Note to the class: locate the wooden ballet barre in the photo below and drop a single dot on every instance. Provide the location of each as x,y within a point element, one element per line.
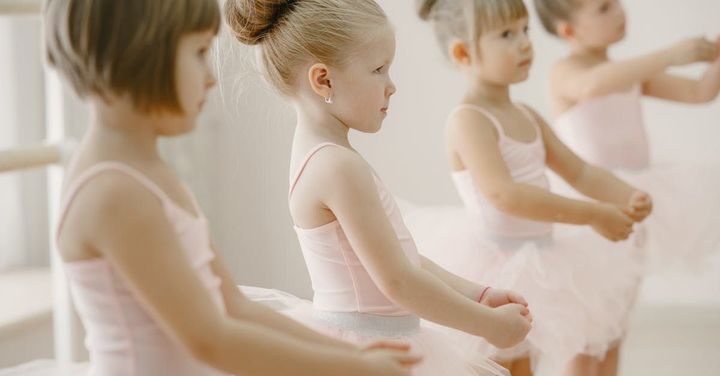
<point>19,7</point>
<point>34,156</point>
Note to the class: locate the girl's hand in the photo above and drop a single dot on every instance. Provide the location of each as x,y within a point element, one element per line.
<point>386,345</point>
<point>694,50</point>
<point>494,298</point>
<point>639,207</point>
<point>612,223</point>
<point>511,324</point>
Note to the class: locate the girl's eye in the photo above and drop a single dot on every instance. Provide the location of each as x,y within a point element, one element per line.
<point>605,8</point>
<point>526,29</point>
<point>202,52</point>
<point>506,34</point>
<point>379,70</point>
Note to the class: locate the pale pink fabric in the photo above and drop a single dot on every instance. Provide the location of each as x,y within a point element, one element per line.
<point>349,305</point>
<point>122,337</point>
<point>340,281</point>
<point>526,163</point>
<point>579,286</point>
<point>608,131</point>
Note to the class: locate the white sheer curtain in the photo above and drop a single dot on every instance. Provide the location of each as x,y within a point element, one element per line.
<point>23,202</point>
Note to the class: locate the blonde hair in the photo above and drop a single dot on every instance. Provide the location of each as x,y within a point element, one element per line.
<point>553,11</point>
<point>291,33</point>
<point>106,47</point>
<point>467,20</point>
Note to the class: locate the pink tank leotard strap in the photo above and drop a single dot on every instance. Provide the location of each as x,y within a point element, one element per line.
<point>305,162</point>
<point>533,119</point>
<point>98,169</point>
<point>484,112</point>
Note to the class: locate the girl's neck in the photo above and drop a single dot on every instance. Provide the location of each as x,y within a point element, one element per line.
<point>122,132</point>
<point>489,93</point>
<point>321,126</point>
<point>595,53</point>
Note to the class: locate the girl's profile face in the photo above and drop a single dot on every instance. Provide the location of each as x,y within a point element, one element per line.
<point>362,89</point>
<point>193,80</point>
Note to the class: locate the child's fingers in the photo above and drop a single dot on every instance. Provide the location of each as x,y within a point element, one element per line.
<point>388,345</point>
<point>708,51</point>
<point>407,360</point>
<point>529,317</point>
<point>516,298</point>
<point>524,311</point>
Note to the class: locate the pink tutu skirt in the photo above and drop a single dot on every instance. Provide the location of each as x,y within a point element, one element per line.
<point>579,286</point>
<point>441,356</point>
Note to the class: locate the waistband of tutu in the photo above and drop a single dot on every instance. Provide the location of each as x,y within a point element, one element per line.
<point>512,243</point>
<point>370,324</point>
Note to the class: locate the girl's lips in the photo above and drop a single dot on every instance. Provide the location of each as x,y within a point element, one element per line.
<point>525,63</point>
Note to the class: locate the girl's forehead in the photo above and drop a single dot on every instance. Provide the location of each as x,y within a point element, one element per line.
<point>518,22</point>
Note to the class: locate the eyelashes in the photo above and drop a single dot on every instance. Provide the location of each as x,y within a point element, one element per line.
<point>508,33</point>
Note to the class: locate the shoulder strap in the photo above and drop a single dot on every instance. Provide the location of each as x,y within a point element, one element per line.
<point>304,163</point>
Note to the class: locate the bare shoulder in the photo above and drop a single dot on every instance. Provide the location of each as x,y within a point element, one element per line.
<point>339,166</point>
<point>109,205</point>
<point>470,122</point>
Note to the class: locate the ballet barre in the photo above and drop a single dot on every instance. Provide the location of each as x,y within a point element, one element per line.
<point>19,7</point>
<point>32,156</point>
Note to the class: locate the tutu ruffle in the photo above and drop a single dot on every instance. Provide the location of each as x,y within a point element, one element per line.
<point>579,286</point>
<point>683,231</point>
<point>441,356</point>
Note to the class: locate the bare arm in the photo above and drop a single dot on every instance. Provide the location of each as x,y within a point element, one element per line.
<point>680,89</point>
<point>348,189</point>
<point>465,287</point>
<point>475,140</point>
<point>592,181</point>
<point>576,81</point>
<point>178,300</point>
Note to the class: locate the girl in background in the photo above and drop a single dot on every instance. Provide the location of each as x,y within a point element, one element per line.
<point>514,233</point>
<point>597,102</point>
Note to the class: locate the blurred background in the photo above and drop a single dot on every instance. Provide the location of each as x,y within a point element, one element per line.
<point>237,164</point>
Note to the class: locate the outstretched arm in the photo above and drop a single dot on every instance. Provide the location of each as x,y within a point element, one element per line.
<point>575,81</point>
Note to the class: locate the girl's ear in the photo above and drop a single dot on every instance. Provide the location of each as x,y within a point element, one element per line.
<point>460,53</point>
<point>565,30</point>
<point>320,80</point>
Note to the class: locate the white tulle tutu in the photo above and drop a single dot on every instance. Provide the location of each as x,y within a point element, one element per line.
<point>441,355</point>
<point>683,231</point>
<point>579,286</point>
